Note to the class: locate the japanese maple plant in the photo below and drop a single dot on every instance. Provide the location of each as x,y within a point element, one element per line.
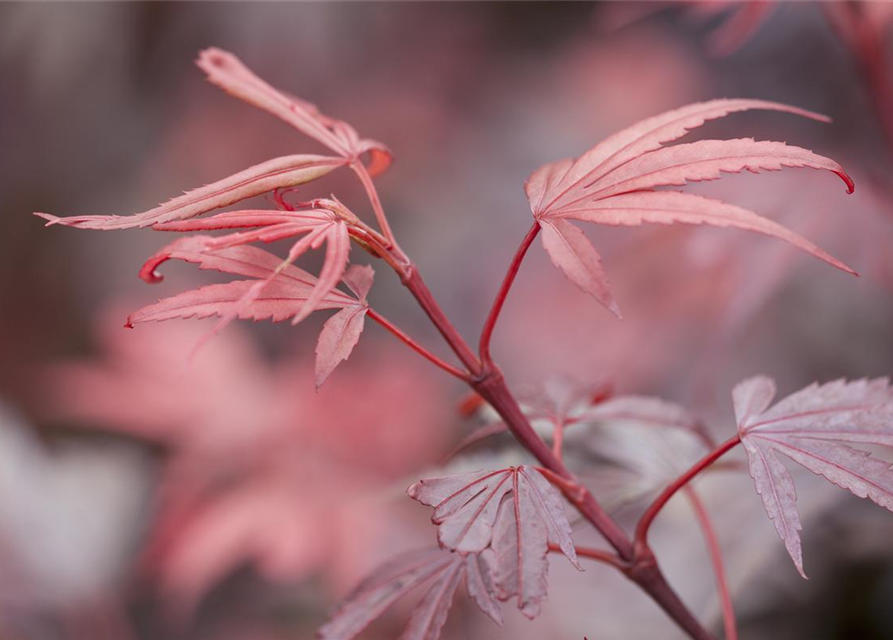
<point>496,527</point>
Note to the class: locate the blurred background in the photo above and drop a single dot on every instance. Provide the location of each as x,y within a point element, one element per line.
<point>146,497</point>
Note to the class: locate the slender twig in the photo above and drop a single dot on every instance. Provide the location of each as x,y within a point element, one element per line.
<point>415,346</point>
<point>599,555</point>
<point>722,582</point>
<point>651,512</point>
<point>412,280</point>
<point>499,301</point>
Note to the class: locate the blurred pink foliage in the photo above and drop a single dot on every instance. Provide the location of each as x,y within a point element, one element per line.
<point>259,468</point>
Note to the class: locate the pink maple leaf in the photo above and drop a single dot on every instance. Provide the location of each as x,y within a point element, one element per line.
<point>321,221</point>
<point>264,516</point>
<point>228,72</point>
<point>510,516</point>
<point>324,221</point>
<point>255,459</point>
<point>277,291</point>
<point>614,184</point>
<point>809,427</point>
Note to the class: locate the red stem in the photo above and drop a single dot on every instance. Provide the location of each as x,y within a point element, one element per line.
<point>487,331</point>
<point>722,583</point>
<point>647,518</point>
<point>493,389</point>
<point>415,346</point>
<point>412,280</point>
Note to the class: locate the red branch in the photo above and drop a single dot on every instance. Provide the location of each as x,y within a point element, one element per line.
<point>722,582</point>
<point>415,346</point>
<point>487,331</point>
<point>651,512</point>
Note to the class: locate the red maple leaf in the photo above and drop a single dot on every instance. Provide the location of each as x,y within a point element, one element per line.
<point>614,184</point>
<point>509,516</point>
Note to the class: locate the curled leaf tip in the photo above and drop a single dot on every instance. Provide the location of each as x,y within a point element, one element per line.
<point>151,275</point>
<point>149,271</point>
<point>850,185</point>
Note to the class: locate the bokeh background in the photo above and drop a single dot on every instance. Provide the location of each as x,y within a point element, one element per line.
<point>144,497</point>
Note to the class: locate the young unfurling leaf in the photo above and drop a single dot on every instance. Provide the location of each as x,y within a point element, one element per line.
<point>288,171</point>
<point>402,574</point>
<point>341,332</point>
<point>810,427</point>
<point>511,515</point>
<point>229,73</point>
<point>614,184</point>
<point>274,292</point>
<point>318,223</point>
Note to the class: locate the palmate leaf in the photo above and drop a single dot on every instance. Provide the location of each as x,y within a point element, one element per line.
<point>326,222</point>
<point>319,224</point>
<point>388,583</point>
<point>276,291</point>
<point>341,332</point>
<point>809,427</point>
<point>229,73</point>
<point>613,184</point>
<point>510,516</point>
